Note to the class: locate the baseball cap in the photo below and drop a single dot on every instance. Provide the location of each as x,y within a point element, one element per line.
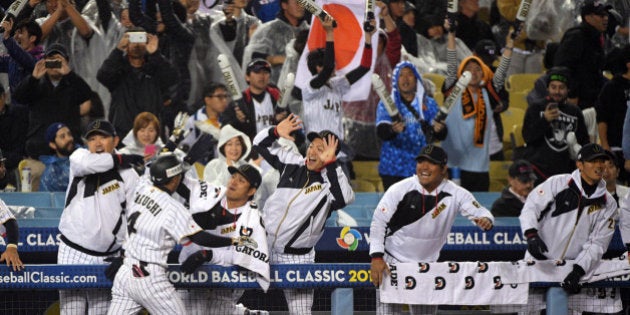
<point>249,172</point>
<point>592,151</point>
<point>323,135</point>
<point>559,74</point>
<point>56,48</point>
<point>432,153</point>
<point>257,65</point>
<point>100,126</point>
<point>51,132</point>
<point>594,7</point>
<point>522,170</point>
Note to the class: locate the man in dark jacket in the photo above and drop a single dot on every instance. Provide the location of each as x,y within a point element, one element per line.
<point>521,179</point>
<point>53,93</point>
<point>137,78</point>
<point>258,108</point>
<point>582,51</point>
<point>546,125</point>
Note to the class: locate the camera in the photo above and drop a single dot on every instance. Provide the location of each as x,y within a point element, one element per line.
<point>53,64</point>
<point>551,106</point>
<point>138,37</point>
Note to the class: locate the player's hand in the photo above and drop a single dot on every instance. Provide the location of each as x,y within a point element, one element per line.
<point>114,265</point>
<point>244,241</point>
<point>123,161</point>
<point>571,283</point>
<point>330,147</point>
<point>483,223</point>
<point>195,261</point>
<point>377,267</point>
<point>398,126</point>
<point>288,125</point>
<point>535,246</point>
<point>12,258</point>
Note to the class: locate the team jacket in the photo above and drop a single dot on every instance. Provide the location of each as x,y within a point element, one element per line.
<point>295,213</point>
<point>94,216</point>
<point>558,206</point>
<point>412,224</point>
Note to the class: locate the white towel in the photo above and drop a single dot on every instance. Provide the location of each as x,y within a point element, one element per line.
<point>254,259</point>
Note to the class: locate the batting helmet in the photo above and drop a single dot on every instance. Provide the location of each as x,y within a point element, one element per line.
<point>165,168</point>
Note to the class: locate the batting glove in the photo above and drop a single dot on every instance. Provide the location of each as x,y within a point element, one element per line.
<point>571,283</point>
<point>195,260</point>
<point>244,241</point>
<point>114,264</point>
<point>535,244</point>
<point>122,161</point>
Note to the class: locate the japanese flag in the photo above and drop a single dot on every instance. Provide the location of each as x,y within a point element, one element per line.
<point>349,43</point>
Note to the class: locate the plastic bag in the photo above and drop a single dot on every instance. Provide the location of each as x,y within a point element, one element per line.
<point>549,19</point>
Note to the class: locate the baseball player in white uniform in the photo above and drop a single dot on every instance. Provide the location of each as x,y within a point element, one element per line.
<point>92,223</point>
<point>9,228</point>
<point>310,188</point>
<point>156,222</point>
<point>412,221</point>
<point>217,209</point>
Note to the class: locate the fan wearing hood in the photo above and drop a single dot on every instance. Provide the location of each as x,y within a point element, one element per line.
<point>234,147</point>
<point>403,139</point>
<point>470,121</point>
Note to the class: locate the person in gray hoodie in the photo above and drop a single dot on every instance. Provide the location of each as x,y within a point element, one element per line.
<point>233,150</point>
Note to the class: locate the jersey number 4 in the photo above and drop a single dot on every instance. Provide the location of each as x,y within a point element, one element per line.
<point>132,222</point>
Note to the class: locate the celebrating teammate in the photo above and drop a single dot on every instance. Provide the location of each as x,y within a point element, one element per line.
<point>413,219</point>
<point>571,216</point>
<point>10,255</point>
<point>91,225</point>
<point>223,211</point>
<point>308,191</point>
<point>156,223</point>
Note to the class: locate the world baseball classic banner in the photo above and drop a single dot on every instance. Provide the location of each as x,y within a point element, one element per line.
<point>450,283</point>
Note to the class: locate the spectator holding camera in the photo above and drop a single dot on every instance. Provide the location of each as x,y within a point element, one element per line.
<point>23,48</point>
<point>546,125</point>
<point>136,76</point>
<point>53,93</point>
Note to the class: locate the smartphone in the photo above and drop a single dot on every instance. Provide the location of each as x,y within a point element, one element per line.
<point>552,106</point>
<point>149,149</point>
<point>53,64</point>
<point>137,37</point>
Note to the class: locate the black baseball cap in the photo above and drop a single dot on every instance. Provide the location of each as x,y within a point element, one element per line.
<point>102,127</point>
<point>433,154</point>
<point>56,49</point>
<point>594,7</point>
<point>522,170</point>
<point>249,172</point>
<point>592,151</point>
<point>324,135</point>
<point>559,74</point>
<point>258,65</point>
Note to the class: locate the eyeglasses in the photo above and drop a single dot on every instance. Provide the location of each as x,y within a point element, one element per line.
<point>221,96</point>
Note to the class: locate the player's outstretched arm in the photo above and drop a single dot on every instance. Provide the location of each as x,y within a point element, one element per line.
<point>10,255</point>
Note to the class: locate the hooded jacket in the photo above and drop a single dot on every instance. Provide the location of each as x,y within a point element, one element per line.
<point>398,152</point>
<point>133,146</point>
<point>216,171</point>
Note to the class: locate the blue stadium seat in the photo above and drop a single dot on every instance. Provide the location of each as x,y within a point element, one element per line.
<point>367,199</point>
<point>46,212</point>
<point>486,199</point>
<point>358,211</point>
<point>32,199</point>
<point>59,199</point>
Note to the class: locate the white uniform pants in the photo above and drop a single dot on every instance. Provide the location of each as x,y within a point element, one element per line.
<point>299,301</point>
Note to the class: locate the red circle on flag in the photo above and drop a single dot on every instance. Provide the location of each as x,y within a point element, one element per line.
<point>348,34</point>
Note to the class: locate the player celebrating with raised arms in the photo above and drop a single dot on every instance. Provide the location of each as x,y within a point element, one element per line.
<point>156,223</point>
<point>412,221</point>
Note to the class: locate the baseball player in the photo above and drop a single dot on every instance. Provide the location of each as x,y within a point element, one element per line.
<point>156,223</point>
<point>92,223</point>
<point>412,221</point>
<point>571,216</point>
<point>10,228</point>
<point>309,189</point>
<point>217,209</point>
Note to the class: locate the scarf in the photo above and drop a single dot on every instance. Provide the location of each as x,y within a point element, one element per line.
<point>470,108</point>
